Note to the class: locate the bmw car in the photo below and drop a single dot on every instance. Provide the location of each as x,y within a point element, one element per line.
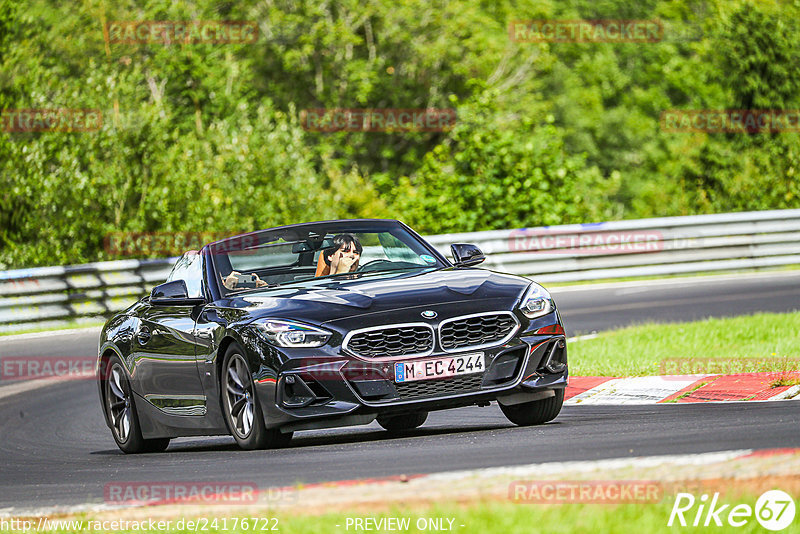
<point>327,324</point>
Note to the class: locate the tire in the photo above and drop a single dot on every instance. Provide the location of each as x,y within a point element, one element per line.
<point>120,409</point>
<point>240,405</point>
<point>535,412</point>
<point>398,423</point>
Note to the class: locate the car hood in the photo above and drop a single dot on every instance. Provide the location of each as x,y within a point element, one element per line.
<point>326,300</point>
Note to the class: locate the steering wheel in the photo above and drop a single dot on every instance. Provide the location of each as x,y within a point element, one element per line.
<point>380,261</point>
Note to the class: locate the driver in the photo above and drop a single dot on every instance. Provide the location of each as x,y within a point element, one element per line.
<point>342,257</point>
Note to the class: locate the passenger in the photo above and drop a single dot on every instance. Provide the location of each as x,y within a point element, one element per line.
<point>342,257</point>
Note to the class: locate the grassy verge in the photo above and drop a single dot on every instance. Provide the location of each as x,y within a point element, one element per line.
<point>477,518</point>
<point>503,518</point>
<point>754,343</point>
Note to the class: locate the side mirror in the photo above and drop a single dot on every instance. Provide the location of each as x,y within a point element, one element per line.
<point>173,294</point>
<point>466,255</point>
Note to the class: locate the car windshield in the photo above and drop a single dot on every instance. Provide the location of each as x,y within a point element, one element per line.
<point>344,249</point>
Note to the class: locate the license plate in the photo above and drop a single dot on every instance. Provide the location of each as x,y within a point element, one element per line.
<point>462,364</point>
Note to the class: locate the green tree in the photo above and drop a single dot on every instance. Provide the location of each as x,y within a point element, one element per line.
<point>498,172</point>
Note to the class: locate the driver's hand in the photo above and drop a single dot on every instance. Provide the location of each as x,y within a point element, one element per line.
<point>347,260</point>
<point>260,282</point>
<point>230,281</point>
<point>335,257</point>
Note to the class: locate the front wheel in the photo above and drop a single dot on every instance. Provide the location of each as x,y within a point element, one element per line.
<point>121,412</point>
<point>535,412</point>
<point>241,407</point>
<point>397,423</point>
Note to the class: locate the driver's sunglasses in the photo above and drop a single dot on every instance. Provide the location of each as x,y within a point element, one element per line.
<point>351,249</point>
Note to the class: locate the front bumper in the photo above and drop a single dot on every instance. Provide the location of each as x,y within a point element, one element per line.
<point>320,390</point>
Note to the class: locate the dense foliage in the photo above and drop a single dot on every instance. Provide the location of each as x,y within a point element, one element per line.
<point>208,137</point>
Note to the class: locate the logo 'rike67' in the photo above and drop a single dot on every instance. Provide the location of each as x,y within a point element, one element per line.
<point>774,510</point>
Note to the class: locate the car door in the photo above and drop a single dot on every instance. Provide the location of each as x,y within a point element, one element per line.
<point>165,345</point>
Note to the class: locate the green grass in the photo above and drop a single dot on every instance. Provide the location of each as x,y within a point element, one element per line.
<point>754,343</point>
<point>786,381</point>
<point>496,518</point>
<point>505,518</point>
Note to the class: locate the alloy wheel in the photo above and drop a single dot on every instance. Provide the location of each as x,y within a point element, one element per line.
<point>239,396</point>
<point>118,401</point>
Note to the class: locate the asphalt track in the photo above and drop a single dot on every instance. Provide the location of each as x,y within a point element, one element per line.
<point>56,451</point>
<point>590,308</point>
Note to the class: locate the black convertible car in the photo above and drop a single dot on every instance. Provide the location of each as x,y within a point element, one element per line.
<point>321,325</point>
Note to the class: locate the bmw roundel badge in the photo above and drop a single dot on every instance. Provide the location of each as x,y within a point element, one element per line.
<point>429,314</point>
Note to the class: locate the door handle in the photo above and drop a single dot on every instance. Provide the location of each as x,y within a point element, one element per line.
<point>214,317</point>
<point>143,335</point>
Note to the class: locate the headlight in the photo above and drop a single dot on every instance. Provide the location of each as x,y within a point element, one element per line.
<point>291,334</point>
<point>536,302</point>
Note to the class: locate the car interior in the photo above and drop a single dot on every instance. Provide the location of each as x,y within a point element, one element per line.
<point>292,258</point>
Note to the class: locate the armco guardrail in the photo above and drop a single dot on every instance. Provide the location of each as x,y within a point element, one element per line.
<point>643,247</point>
<point>50,295</point>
